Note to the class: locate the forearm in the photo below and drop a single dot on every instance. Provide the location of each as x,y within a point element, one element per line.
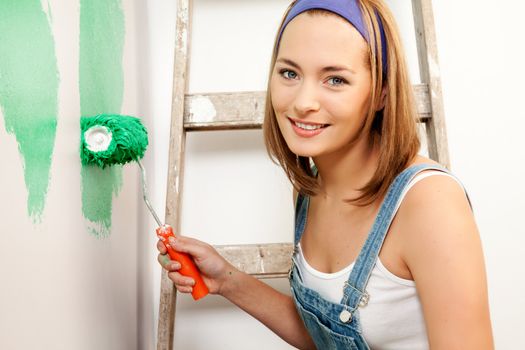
<point>274,309</point>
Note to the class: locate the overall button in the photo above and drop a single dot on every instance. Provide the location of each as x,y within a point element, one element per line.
<point>364,300</point>
<point>345,316</point>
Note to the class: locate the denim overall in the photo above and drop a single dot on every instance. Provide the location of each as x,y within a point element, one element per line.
<point>337,326</point>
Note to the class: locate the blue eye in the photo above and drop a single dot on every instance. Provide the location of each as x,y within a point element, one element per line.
<point>288,74</point>
<point>337,81</point>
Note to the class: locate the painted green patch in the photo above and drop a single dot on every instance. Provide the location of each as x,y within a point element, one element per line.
<point>165,259</point>
<point>101,84</point>
<point>98,187</point>
<point>29,92</point>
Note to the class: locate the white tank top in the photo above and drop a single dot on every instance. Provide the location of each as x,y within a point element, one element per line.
<point>393,318</point>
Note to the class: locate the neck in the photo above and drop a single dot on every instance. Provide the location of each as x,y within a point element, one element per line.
<point>343,173</point>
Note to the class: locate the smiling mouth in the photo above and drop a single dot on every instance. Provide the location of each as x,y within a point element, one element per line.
<point>308,126</point>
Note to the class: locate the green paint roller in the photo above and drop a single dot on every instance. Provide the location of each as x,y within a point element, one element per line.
<point>109,139</point>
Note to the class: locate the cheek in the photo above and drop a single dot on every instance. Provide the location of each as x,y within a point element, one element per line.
<point>276,97</point>
<point>281,96</point>
<point>350,105</point>
<point>341,107</point>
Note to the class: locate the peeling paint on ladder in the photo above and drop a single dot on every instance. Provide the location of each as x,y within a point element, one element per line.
<point>202,108</point>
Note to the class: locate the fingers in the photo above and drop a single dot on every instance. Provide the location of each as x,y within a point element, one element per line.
<point>182,283</point>
<point>198,250</point>
<point>167,263</point>
<point>184,245</point>
<point>194,247</point>
<point>161,247</point>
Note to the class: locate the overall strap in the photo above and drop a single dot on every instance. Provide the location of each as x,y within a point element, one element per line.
<point>301,211</point>
<point>354,291</point>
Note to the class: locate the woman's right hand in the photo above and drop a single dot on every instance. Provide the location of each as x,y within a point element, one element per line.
<point>213,267</point>
<point>274,309</point>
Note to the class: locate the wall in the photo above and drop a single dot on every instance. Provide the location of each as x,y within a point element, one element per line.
<point>66,284</point>
<point>64,287</point>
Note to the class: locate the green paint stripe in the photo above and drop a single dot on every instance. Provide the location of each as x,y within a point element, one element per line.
<point>29,92</point>
<point>101,84</point>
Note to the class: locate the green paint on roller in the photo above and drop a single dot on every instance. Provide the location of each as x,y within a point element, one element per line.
<point>29,92</point>
<point>101,85</point>
<point>107,140</point>
<point>112,139</point>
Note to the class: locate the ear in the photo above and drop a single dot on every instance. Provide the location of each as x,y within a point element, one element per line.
<point>382,99</point>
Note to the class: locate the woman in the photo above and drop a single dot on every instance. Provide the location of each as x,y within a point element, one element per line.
<point>387,255</point>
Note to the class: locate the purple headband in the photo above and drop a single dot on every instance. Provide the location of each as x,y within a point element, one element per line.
<point>348,9</point>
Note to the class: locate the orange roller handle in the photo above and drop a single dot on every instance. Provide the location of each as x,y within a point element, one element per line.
<point>188,268</point>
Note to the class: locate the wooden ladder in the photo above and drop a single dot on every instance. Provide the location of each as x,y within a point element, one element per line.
<point>245,110</point>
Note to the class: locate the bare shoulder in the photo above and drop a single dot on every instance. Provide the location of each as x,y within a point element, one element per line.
<point>435,211</point>
<point>443,251</point>
<point>435,198</point>
<point>436,195</point>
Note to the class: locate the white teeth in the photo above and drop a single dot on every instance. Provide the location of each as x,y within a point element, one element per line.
<point>307,126</point>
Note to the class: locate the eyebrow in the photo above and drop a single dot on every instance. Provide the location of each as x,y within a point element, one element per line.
<point>324,69</point>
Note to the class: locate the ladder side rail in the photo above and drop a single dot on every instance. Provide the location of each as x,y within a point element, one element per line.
<point>430,75</point>
<point>167,302</point>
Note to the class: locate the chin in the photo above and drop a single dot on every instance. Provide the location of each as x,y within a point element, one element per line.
<point>305,151</point>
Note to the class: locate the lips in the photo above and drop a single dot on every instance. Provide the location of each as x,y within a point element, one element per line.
<point>307,129</point>
<point>307,124</point>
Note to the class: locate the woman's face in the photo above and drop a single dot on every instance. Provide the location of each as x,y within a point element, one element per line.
<point>320,85</point>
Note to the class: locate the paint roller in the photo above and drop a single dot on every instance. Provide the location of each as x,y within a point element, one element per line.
<point>109,139</point>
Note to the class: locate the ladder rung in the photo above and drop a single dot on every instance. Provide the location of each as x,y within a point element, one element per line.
<point>260,260</point>
<point>245,110</point>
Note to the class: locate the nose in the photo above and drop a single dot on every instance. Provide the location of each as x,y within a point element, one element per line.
<point>307,99</point>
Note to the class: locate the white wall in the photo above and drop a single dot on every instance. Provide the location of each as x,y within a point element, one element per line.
<point>481,64</point>
<point>63,289</point>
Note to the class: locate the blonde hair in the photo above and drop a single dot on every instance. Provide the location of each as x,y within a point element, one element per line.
<point>393,128</point>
